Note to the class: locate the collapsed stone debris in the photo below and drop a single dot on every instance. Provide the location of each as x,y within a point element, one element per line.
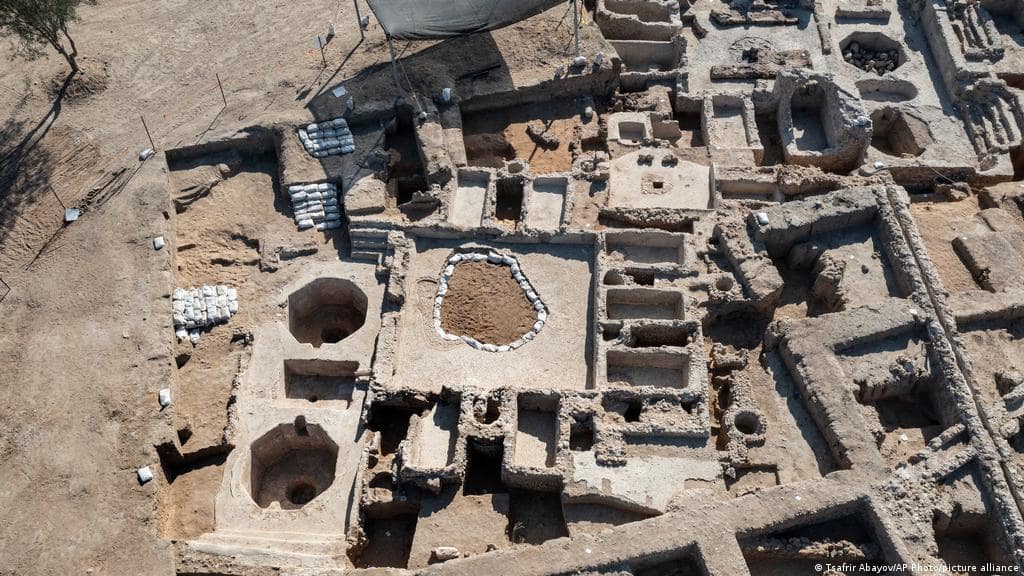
<point>875,61</point>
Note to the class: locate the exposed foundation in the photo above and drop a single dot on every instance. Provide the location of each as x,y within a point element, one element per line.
<point>713,303</point>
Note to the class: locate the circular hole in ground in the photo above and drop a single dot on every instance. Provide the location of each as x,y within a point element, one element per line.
<point>486,303</point>
<point>301,492</point>
<point>747,422</point>
<point>291,465</point>
<point>613,278</point>
<point>872,52</point>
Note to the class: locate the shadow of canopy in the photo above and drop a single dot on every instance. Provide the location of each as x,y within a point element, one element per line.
<point>471,65</point>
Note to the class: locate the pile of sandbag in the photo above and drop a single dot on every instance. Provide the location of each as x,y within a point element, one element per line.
<point>197,308</point>
<point>327,138</point>
<point>315,206</point>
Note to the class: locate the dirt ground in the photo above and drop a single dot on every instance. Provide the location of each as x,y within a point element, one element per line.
<point>85,334</point>
<point>940,221</point>
<point>486,303</point>
<point>492,137</point>
<point>188,501</point>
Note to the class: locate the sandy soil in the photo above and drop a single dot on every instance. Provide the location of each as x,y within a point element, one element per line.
<point>486,303</point>
<point>940,221</point>
<point>187,504</point>
<point>494,136</point>
<point>84,352</point>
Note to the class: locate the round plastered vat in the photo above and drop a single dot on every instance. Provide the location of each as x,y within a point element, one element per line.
<point>523,289</point>
<point>326,311</point>
<point>291,465</point>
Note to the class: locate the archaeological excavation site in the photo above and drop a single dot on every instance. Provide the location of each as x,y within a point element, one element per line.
<point>620,287</point>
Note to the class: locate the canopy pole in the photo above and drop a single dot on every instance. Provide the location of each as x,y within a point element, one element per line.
<point>359,21</point>
<point>394,66</point>
<point>576,25</point>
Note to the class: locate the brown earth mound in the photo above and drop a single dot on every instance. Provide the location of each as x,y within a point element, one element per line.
<point>486,303</point>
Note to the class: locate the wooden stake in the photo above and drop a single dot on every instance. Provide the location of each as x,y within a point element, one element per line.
<point>58,198</point>
<point>221,86</point>
<point>148,135</point>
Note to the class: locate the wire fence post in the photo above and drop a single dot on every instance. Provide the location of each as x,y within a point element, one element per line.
<point>221,86</point>
<point>7,289</point>
<point>148,135</point>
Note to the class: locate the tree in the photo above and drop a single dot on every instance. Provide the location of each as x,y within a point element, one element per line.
<point>41,22</point>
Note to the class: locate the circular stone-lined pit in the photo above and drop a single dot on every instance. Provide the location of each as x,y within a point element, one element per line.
<point>485,300</point>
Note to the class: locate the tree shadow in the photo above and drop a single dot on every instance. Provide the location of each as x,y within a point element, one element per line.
<point>25,166</point>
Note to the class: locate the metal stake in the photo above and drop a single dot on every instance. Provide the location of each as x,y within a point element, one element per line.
<point>394,67</point>
<point>320,43</point>
<point>576,24</point>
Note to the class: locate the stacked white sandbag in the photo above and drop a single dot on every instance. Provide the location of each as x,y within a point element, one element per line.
<point>315,206</point>
<point>328,138</point>
<point>197,308</point>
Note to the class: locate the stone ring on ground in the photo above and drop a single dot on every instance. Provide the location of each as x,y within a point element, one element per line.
<point>489,303</point>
